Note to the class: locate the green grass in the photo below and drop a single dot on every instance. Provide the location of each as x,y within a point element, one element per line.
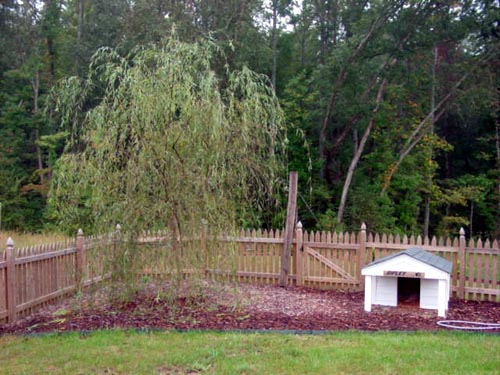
<point>129,352</point>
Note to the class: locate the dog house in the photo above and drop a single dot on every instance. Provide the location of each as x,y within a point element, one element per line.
<point>413,276</point>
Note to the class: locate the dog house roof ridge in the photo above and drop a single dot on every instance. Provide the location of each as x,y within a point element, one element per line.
<point>421,255</point>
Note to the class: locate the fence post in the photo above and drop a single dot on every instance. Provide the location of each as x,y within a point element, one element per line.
<point>361,254</point>
<point>80,258</point>
<point>299,255</point>
<point>11,281</point>
<point>203,245</point>
<point>291,217</point>
<point>117,236</point>
<point>461,259</point>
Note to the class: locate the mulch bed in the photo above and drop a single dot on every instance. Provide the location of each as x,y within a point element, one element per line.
<point>246,307</point>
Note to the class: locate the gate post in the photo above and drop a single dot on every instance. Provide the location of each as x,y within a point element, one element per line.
<point>11,281</point>
<point>291,217</point>
<point>80,258</point>
<point>203,246</point>
<point>361,254</point>
<point>461,259</point>
<point>299,255</point>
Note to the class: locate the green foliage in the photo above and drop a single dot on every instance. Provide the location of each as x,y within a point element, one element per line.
<point>20,208</point>
<point>171,144</point>
<point>320,53</point>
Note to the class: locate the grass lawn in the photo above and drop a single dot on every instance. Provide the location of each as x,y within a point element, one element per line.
<point>129,352</point>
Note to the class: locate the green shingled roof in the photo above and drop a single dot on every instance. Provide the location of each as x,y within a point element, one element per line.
<point>421,255</point>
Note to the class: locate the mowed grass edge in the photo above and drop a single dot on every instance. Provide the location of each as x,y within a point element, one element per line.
<point>131,352</point>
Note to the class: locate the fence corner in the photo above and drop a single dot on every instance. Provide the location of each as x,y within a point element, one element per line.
<point>80,258</point>
<point>461,259</point>
<point>11,281</point>
<point>299,255</point>
<point>361,254</point>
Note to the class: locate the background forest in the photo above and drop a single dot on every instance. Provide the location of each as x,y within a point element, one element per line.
<point>392,106</point>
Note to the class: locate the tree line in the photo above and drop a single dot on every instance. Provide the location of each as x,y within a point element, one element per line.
<point>391,107</point>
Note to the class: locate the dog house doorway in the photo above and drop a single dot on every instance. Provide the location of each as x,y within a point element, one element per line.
<point>408,291</point>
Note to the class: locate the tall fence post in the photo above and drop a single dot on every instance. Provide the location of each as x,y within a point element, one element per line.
<point>361,254</point>
<point>291,217</point>
<point>11,281</point>
<point>299,255</point>
<point>203,245</point>
<point>80,258</point>
<point>461,259</point>
<point>117,236</point>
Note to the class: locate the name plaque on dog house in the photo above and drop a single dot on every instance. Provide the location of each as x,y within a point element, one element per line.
<point>414,275</point>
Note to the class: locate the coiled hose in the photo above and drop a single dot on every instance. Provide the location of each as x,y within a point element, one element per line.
<point>465,325</point>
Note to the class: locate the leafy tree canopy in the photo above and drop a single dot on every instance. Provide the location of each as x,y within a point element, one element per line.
<point>170,142</point>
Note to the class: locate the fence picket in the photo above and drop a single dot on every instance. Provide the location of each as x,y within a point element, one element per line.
<point>426,240</point>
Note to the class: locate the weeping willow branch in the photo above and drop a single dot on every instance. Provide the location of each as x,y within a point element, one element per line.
<point>167,147</point>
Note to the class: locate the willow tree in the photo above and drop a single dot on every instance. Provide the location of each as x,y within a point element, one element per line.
<point>171,143</point>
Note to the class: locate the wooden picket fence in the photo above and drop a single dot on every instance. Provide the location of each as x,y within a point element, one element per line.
<point>35,276</point>
<point>335,260</point>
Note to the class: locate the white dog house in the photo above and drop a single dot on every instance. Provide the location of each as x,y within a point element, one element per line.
<point>415,272</point>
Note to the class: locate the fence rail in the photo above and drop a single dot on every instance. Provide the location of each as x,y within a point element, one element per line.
<point>35,276</point>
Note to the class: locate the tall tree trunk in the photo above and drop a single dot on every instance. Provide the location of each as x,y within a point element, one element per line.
<point>433,121</point>
<point>36,92</point>
<point>274,42</point>
<point>359,152</point>
<point>50,44</point>
<point>497,116</point>
<point>79,31</point>
<point>341,77</point>
<point>471,216</point>
<point>389,62</point>
<point>79,34</point>
<point>419,132</point>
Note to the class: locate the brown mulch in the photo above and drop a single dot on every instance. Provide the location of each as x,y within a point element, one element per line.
<point>246,307</point>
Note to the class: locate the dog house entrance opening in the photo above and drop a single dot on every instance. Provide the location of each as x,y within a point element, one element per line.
<point>408,291</point>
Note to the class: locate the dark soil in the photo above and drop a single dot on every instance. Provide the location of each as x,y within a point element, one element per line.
<point>247,307</point>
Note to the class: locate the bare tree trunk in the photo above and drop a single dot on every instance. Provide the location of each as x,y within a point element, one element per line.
<point>340,81</point>
<point>79,34</point>
<point>497,113</point>
<point>389,62</point>
<point>357,156</point>
<point>79,31</point>
<point>471,216</point>
<point>274,42</point>
<point>427,216</point>
<point>433,121</point>
<point>420,131</point>
<point>50,49</point>
<point>35,82</point>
